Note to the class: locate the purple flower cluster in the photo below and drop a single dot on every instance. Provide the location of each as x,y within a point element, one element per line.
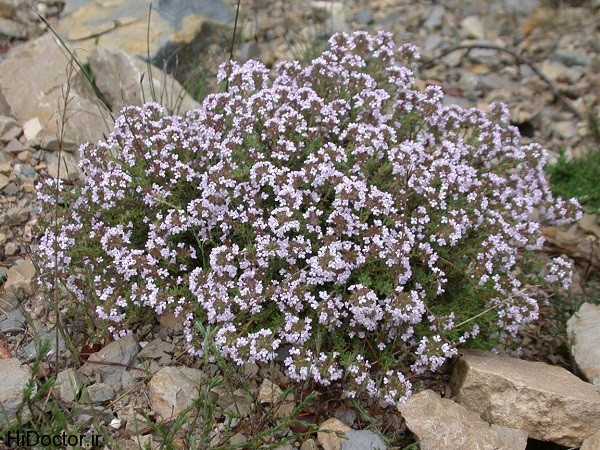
<point>331,213</point>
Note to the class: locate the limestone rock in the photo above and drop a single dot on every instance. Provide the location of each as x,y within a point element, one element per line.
<point>442,423</point>
<point>123,79</point>
<point>328,434</point>
<point>591,443</point>
<point>31,130</point>
<point>173,389</point>
<point>68,384</point>
<point>548,402</point>
<point>13,379</point>
<point>20,277</point>
<point>33,78</point>
<point>100,393</point>
<point>584,337</point>
<point>269,392</point>
<point>309,444</point>
<point>125,24</point>
<point>7,123</point>
<point>69,170</point>
<point>362,439</point>
<point>113,360</point>
<point>473,27</point>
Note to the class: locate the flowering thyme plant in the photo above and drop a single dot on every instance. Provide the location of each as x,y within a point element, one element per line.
<point>330,213</point>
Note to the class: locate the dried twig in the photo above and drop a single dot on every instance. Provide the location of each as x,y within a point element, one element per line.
<point>520,59</point>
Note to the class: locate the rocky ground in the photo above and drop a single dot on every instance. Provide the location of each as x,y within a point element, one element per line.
<point>541,57</point>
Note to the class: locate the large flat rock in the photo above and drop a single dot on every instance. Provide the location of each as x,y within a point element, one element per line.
<point>129,25</point>
<point>583,330</point>
<point>124,79</point>
<point>443,424</point>
<point>33,81</point>
<point>13,380</point>
<point>548,402</point>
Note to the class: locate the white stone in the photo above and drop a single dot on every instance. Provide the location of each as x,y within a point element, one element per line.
<point>31,130</point>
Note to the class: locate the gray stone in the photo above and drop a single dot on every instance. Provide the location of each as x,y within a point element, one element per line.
<point>33,78</point>
<point>6,123</point>
<point>68,171</point>
<point>68,385</point>
<point>9,301</point>
<point>86,414</point>
<point>547,402</point>
<point>11,321</point>
<point>32,349</point>
<point>572,57</point>
<point>521,7</point>
<point>237,439</point>
<point>584,338</point>
<point>11,134</point>
<point>3,182</point>
<point>118,76</point>
<point>441,423</point>
<point>12,29</point>
<point>286,446</point>
<point>495,81</point>
<point>173,389</point>
<point>13,380</point>
<point>364,17</point>
<point>483,55</point>
<point>435,17</point>
<point>449,100</point>
<point>113,360</point>
<point>157,349</point>
<point>347,416</point>
<point>100,393</point>
<point>362,440</point>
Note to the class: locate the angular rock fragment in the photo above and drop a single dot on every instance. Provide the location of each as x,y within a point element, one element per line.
<point>583,331</point>
<point>173,389</point>
<point>13,380</point>
<point>441,423</point>
<point>548,402</point>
